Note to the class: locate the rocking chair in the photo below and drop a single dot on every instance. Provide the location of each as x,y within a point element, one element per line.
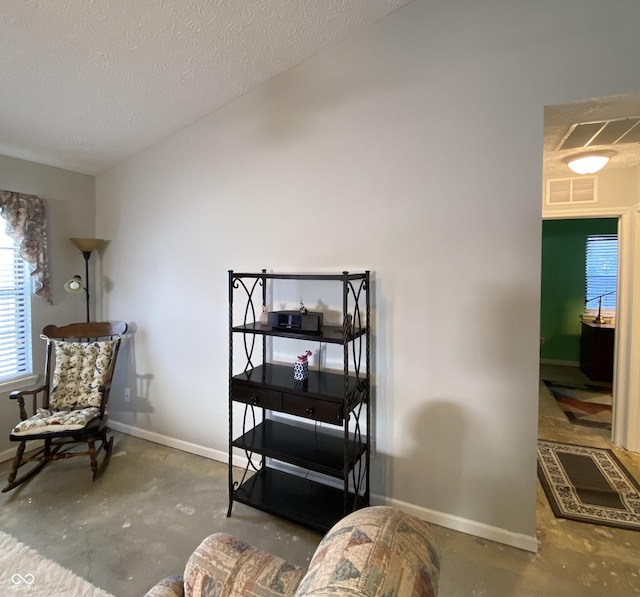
<point>80,361</point>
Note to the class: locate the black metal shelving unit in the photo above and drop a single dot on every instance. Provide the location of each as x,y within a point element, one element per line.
<point>308,473</point>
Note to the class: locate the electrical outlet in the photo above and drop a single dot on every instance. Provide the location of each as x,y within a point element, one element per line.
<point>127,394</point>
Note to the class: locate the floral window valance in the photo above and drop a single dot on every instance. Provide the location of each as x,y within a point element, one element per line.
<point>26,224</point>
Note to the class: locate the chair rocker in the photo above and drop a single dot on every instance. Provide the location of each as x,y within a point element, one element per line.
<point>71,406</point>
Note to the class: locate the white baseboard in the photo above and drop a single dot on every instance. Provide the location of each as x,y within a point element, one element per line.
<point>464,525</point>
<point>10,453</point>
<point>558,362</point>
<point>449,521</point>
<point>171,442</point>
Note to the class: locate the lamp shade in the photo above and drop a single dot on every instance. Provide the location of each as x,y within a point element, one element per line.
<point>74,285</point>
<point>87,244</point>
<point>589,163</point>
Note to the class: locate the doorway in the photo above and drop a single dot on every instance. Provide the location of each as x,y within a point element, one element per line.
<point>576,355</point>
<point>613,193</point>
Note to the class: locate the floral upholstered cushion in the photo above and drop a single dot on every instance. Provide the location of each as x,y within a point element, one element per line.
<point>224,565</point>
<point>46,421</point>
<point>375,552</point>
<point>171,586</point>
<point>80,369</point>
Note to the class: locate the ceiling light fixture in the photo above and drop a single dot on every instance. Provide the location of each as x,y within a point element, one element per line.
<point>589,163</point>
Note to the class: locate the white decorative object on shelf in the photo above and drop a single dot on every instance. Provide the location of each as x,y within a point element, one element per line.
<point>264,317</point>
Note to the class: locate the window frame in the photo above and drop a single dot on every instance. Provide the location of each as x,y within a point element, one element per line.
<point>601,275</point>
<point>15,290</point>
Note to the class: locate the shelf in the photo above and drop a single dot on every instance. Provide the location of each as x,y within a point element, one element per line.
<point>322,385</point>
<point>306,502</point>
<point>306,448</point>
<point>293,276</point>
<point>331,334</point>
<point>321,415</point>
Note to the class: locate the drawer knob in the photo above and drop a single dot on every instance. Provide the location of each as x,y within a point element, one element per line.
<point>254,399</point>
<point>308,411</point>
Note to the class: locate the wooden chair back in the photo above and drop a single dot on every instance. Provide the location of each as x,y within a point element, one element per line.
<point>84,332</point>
<point>93,330</point>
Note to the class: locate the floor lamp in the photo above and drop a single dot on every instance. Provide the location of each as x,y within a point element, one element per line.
<point>86,246</point>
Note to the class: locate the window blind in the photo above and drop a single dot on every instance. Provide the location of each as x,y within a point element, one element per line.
<point>15,311</point>
<point>601,271</point>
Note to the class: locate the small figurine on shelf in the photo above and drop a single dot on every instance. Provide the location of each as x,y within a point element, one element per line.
<point>303,309</point>
<point>303,358</point>
<point>301,366</point>
<point>264,317</point>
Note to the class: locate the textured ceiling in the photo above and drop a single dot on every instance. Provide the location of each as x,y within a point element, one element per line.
<point>88,83</point>
<point>559,119</point>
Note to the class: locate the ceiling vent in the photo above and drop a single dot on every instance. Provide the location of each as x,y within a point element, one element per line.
<point>602,132</point>
<point>569,191</point>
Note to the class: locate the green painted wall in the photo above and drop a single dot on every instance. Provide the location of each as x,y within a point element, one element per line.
<point>563,280</point>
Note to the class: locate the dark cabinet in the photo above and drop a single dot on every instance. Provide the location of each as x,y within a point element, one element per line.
<point>311,465</point>
<point>596,350</point>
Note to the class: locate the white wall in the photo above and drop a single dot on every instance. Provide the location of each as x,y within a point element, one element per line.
<point>617,189</point>
<point>413,149</point>
<point>70,203</point>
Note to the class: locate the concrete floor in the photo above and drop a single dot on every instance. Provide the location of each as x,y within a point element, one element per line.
<point>143,518</point>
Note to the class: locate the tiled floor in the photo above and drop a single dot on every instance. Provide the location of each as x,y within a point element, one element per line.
<point>142,520</point>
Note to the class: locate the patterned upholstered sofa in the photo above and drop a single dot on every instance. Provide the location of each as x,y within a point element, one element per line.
<point>374,552</point>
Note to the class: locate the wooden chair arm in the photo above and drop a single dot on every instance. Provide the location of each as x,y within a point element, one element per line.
<point>16,394</point>
<point>19,396</point>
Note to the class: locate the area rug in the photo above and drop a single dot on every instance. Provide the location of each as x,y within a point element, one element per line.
<point>23,569</point>
<point>586,405</point>
<point>588,485</point>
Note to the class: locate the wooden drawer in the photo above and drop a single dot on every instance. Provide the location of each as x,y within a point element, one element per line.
<point>310,408</point>
<point>257,397</point>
